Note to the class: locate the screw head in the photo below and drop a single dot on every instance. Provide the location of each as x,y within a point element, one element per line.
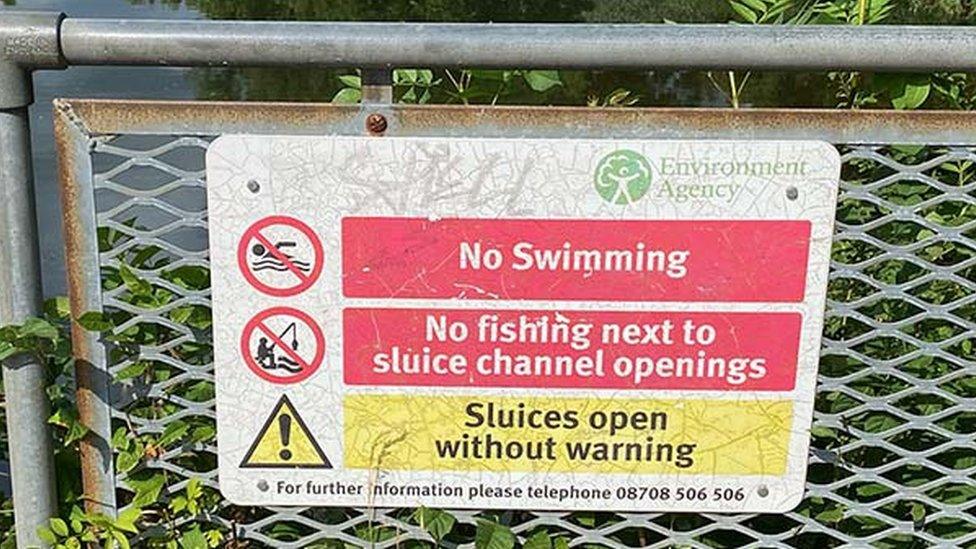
<point>376,123</point>
<point>763,491</point>
<point>253,186</point>
<point>792,193</point>
<point>263,485</point>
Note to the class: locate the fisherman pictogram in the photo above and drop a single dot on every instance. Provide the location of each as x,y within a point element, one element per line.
<point>282,345</point>
<point>269,357</point>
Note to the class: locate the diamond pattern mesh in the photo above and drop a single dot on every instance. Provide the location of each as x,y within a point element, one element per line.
<point>893,462</point>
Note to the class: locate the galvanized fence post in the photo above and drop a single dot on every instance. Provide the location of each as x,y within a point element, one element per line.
<point>29,40</point>
<point>377,86</point>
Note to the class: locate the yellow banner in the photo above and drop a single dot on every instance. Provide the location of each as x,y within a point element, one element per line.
<point>467,433</point>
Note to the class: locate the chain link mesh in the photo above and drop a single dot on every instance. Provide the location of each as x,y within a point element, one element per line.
<point>893,460</point>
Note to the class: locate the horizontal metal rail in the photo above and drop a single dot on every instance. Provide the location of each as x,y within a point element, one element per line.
<point>767,47</point>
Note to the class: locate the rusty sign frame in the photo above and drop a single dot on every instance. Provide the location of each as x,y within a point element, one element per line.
<point>79,124</point>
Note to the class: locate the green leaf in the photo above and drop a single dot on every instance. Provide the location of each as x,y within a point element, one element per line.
<point>833,515</point>
<point>136,285</point>
<point>143,256</point>
<point>59,527</point>
<point>907,91</point>
<point>204,433</point>
<point>128,518</point>
<point>133,370</point>
<point>541,81</point>
<point>193,539</point>
<point>126,461</point>
<point>120,539</point>
<point>214,537</point>
<point>68,419</point>
<point>38,327</point>
<point>178,504</point>
<point>913,96</point>
<point>491,535</point>
<point>494,75</point>
<point>405,76</point>
<point>437,523</point>
<point>147,490</point>
<point>348,95</point>
<point>759,5</point>
<point>57,307</point>
<point>180,315</point>
<point>561,543</point>
<point>351,81</point>
<point>120,439</point>
<point>175,430</point>
<point>95,321</point>
<point>47,535</point>
<point>744,12</point>
<point>820,431</point>
<point>538,540</point>
<point>908,150</point>
<point>7,350</point>
<point>918,512</point>
<point>871,490</point>
<point>194,489</point>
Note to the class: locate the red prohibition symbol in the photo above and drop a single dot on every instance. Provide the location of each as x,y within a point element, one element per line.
<point>282,345</point>
<point>280,266</point>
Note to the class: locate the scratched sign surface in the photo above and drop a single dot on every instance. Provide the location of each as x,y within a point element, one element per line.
<point>518,323</point>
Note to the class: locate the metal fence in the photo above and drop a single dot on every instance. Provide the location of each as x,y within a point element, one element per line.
<point>893,436</point>
<point>894,457</point>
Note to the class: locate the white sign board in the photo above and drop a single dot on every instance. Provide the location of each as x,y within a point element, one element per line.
<point>518,323</point>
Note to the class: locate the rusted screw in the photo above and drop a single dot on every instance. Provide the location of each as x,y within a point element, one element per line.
<point>376,123</point>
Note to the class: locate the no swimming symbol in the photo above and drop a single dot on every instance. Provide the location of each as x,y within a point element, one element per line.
<point>280,256</point>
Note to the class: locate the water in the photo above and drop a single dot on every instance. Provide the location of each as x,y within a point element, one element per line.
<point>156,83</point>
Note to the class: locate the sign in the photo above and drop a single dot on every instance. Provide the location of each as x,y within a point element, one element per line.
<point>518,323</point>
<point>280,256</point>
<point>282,345</point>
<point>285,442</point>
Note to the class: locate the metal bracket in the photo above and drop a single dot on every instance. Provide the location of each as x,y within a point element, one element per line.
<point>28,40</point>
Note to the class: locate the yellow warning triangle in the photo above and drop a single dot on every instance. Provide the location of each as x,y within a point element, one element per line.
<point>285,442</point>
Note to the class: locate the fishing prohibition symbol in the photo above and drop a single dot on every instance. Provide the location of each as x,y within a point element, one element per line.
<point>283,345</point>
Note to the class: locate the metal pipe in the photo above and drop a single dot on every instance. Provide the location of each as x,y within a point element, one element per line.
<point>377,86</point>
<point>765,47</point>
<point>24,379</point>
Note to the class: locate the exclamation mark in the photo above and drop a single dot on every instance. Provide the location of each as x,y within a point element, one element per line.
<point>284,429</point>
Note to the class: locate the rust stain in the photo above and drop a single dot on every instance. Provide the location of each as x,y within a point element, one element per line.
<point>839,126</point>
<point>92,449</point>
<point>70,199</point>
<point>205,117</point>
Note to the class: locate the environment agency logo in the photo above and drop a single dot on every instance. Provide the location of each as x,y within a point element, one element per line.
<point>623,176</point>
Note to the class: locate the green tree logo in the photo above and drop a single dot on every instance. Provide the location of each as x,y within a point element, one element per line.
<point>623,177</point>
